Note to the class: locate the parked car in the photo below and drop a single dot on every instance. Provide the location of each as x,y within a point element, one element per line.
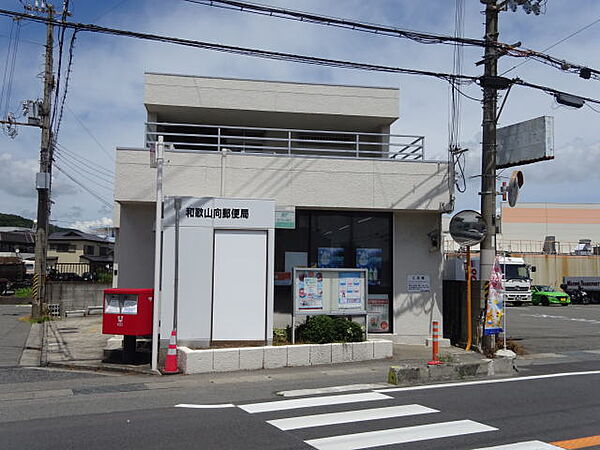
<point>546,295</point>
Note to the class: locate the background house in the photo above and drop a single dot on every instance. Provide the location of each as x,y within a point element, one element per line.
<point>76,247</point>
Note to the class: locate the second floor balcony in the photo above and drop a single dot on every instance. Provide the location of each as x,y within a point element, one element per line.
<point>287,142</point>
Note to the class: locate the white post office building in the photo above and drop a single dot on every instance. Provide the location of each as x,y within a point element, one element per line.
<point>334,188</point>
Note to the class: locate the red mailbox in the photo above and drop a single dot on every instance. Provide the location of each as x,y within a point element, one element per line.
<point>128,312</point>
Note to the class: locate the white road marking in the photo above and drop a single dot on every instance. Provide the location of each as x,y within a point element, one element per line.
<point>399,435</point>
<point>543,355</point>
<point>526,445</point>
<point>283,405</point>
<point>501,380</point>
<point>318,420</point>
<point>332,389</point>
<point>572,319</point>
<point>189,405</point>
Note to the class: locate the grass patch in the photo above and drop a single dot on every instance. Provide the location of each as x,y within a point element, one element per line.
<point>447,358</point>
<point>24,292</point>
<point>32,320</point>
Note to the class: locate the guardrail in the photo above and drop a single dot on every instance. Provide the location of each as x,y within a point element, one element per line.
<point>286,141</point>
<point>531,246</point>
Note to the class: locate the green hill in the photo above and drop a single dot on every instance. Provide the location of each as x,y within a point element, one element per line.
<point>12,220</point>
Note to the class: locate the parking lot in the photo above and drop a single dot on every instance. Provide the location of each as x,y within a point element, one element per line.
<point>555,329</point>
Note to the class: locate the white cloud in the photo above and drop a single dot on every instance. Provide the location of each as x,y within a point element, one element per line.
<point>106,90</point>
<point>17,177</point>
<point>90,226</point>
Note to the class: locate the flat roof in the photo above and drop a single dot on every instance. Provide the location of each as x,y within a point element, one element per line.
<point>258,80</point>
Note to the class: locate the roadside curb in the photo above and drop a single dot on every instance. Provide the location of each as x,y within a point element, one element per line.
<point>101,367</point>
<point>422,373</point>
<point>32,352</point>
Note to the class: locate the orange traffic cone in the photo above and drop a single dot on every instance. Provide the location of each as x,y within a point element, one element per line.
<point>171,361</point>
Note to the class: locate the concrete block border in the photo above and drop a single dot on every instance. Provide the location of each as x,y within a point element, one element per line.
<point>417,373</point>
<point>271,357</point>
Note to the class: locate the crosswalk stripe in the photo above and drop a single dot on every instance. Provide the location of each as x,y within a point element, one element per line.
<point>318,420</point>
<point>399,435</point>
<point>526,445</point>
<point>283,405</point>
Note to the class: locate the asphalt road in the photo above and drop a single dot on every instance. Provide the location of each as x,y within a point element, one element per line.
<point>469,415</point>
<point>555,329</point>
<point>13,333</point>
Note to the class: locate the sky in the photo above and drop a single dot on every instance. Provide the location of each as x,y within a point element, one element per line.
<point>104,104</point>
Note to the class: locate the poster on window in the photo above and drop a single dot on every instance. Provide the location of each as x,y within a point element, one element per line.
<point>378,307</point>
<point>494,311</point>
<point>309,291</point>
<point>350,290</point>
<point>331,257</point>
<point>371,259</point>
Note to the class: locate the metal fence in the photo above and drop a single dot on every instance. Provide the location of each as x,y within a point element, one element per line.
<point>286,142</point>
<point>531,247</point>
<point>80,272</point>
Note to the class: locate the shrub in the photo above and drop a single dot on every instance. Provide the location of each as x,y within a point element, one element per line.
<point>105,277</point>
<point>280,336</point>
<point>325,329</point>
<point>347,331</point>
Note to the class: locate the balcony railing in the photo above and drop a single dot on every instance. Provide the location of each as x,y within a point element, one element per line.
<point>286,142</point>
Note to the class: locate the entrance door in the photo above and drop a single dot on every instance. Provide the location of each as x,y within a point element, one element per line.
<point>239,285</point>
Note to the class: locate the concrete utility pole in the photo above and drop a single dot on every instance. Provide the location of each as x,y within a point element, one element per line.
<point>488,161</point>
<point>44,176</point>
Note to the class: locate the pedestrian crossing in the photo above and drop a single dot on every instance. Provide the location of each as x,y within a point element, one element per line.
<point>354,424</point>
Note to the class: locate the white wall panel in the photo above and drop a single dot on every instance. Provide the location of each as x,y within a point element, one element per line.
<point>240,285</point>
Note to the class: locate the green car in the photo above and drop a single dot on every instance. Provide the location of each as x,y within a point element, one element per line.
<point>546,295</point>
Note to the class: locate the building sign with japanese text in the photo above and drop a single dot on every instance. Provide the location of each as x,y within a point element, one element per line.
<point>221,213</point>
<point>217,213</point>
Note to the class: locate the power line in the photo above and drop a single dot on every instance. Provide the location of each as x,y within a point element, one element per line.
<point>61,40</point>
<point>555,44</point>
<point>425,38</point>
<point>9,68</point>
<point>98,176</point>
<point>87,162</point>
<point>80,122</point>
<point>552,91</point>
<point>300,16</point>
<point>84,187</point>
<point>66,87</point>
<point>112,8</point>
<point>279,56</point>
<point>86,173</point>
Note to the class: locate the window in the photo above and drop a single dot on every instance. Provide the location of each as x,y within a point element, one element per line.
<point>63,248</point>
<point>88,250</point>
<point>104,251</point>
<point>337,239</point>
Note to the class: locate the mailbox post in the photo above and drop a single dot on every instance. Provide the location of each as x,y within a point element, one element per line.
<point>128,312</point>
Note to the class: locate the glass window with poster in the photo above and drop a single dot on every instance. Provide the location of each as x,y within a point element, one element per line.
<point>338,239</point>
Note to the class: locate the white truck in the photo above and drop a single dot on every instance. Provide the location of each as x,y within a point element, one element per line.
<point>516,275</point>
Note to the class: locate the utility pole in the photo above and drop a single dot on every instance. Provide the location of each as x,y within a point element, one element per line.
<point>44,176</point>
<point>488,162</point>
